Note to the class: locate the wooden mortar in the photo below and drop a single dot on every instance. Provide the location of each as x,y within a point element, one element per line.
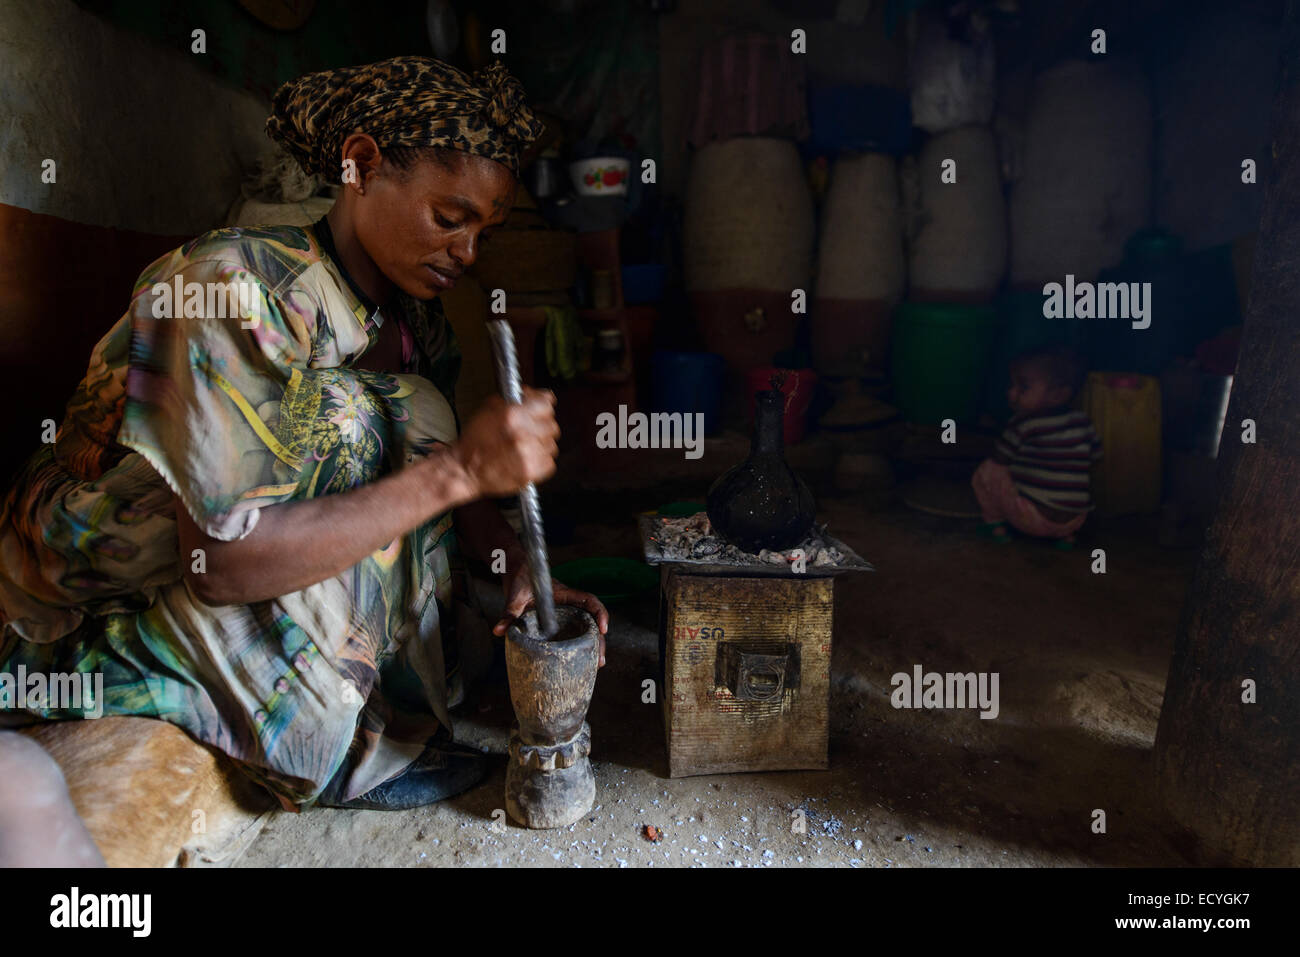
<point>549,781</point>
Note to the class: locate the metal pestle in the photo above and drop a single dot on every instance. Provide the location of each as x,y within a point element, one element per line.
<point>539,568</point>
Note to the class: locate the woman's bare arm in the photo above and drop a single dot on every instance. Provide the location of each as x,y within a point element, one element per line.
<point>297,544</point>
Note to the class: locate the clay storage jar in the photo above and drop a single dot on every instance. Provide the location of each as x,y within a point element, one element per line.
<point>957,231</point>
<point>952,80</point>
<point>748,237</point>
<point>749,84</point>
<point>860,267</point>
<point>1086,180</point>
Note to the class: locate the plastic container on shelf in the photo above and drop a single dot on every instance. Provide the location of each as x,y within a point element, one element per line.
<point>749,84</point>
<point>643,282</point>
<point>798,386</point>
<point>1126,412</point>
<point>952,79</point>
<point>600,175</point>
<point>1194,407</point>
<point>957,232</point>
<point>1085,186</point>
<point>749,221</point>
<point>940,359</point>
<point>861,266</point>
<point>1192,296</point>
<point>749,328</point>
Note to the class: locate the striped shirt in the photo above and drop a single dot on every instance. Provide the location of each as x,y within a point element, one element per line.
<point>1049,458</point>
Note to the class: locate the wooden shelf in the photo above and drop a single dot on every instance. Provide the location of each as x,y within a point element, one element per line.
<point>610,378</point>
<point>612,314</point>
<point>599,250</point>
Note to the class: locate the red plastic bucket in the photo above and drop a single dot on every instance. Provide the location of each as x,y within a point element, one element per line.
<point>798,388</point>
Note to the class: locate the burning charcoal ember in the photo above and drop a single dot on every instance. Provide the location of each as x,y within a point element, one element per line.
<point>692,539</point>
<point>705,547</point>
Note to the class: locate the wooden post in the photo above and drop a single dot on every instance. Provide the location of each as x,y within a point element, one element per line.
<point>1228,769</point>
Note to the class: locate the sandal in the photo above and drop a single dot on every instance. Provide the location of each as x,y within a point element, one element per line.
<point>996,531</point>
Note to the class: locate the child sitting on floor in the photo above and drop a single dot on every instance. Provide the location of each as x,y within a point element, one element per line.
<point>1037,479</point>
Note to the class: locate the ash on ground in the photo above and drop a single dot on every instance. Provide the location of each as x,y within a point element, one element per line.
<point>692,539</point>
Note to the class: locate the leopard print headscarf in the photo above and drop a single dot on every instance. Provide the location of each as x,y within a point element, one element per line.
<point>405,101</point>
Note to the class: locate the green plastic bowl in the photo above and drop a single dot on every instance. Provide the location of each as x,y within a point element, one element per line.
<point>609,579</point>
<point>680,509</point>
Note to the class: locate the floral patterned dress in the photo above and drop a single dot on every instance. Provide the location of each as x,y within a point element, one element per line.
<point>329,690</point>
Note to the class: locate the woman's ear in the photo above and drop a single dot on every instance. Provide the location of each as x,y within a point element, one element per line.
<point>361,160</point>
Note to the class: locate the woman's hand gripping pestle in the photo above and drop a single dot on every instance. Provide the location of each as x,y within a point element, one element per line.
<point>534,538</point>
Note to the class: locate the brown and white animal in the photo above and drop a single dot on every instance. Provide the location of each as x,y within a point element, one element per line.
<point>122,791</point>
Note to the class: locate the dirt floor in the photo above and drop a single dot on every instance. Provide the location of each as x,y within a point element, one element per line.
<point>1082,659</point>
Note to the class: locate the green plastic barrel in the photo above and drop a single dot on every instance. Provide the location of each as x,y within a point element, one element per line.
<point>940,359</point>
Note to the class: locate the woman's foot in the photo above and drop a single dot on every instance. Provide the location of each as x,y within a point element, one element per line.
<point>996,532</point>
<point>441,772</point>
<point>1064,544</point>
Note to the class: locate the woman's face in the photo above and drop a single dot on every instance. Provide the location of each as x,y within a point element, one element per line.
<point>422,226</point>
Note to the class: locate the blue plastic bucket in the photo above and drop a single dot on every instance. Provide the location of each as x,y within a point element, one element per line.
<point>690,382</point>
<point>642,283</point>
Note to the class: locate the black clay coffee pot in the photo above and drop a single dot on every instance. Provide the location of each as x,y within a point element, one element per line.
<point>762,503</point>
